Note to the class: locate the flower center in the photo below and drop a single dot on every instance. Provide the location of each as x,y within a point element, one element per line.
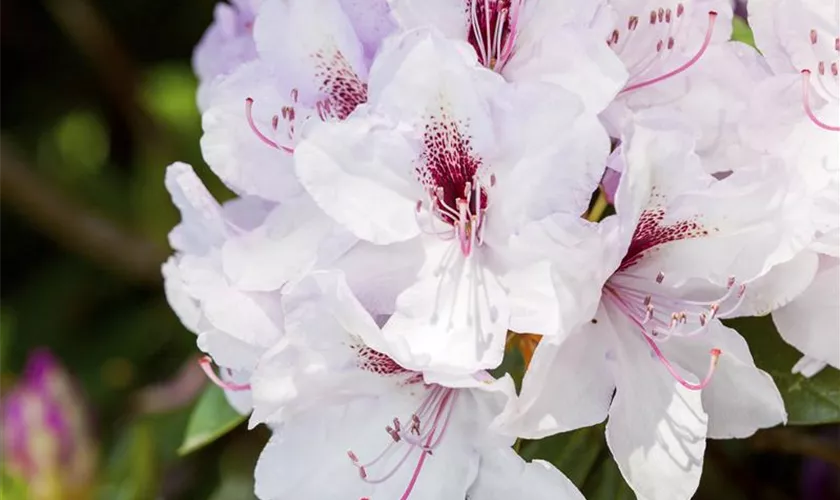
<point>342,92</point>
<point>492,30</point>
<point>451,175</point>
<point>658,310</point>
<point>644,46</point>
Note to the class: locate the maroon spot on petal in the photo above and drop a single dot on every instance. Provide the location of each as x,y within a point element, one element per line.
<point>448,164</point>
<point>338,81</point>
<point>651,232</point>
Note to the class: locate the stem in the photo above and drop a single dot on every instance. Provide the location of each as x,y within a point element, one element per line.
<point>598,209</point>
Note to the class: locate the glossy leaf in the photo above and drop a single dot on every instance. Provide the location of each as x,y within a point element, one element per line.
<point>211,419</point>
<point>809,401</point>
<point>575,453</point>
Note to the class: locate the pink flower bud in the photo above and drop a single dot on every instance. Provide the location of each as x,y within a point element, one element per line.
<point>46,436</point>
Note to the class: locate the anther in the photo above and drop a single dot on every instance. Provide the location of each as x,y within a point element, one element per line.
<point>821,68</point>
<point>275,120</point>
<point>632,23</point>
<point>813,37</point>
<point>706,41</point>
<point>668,16</point>
<point>660,277</point>
<point>653,17</point>
<point>395,435</point>
<point>660,14</point>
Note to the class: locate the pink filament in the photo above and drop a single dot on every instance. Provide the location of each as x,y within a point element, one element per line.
<point>206,364</point>
<point>806,103</point>
<point>679,378</point>
<point>249,104</point>
<point>438,405</point>
<point>691,62</point>
<point>416,472</point>
<point>617,300</point>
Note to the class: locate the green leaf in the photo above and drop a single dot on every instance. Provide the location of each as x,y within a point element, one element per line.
<point>132,472</point>
<point>575,453</point>
<point>211,419</point>
<point>809,401</point>
<point>12,486</point>
<point>741,32</point>
<point>606,482</point>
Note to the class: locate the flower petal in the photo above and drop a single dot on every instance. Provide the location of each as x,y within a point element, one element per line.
<point>504,475</point>
<point>810,321</point>
<point>740,398</point>
<point>454,319</point>
<point>568,384</point>
<point>656,428</point>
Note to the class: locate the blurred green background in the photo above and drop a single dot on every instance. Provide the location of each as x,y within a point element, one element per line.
<point>98,97</point>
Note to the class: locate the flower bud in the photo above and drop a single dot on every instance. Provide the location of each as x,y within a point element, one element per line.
<point>46,437</point>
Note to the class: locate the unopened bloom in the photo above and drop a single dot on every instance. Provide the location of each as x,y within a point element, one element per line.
<point>351,422</point>
<point>655,358</point>
<point>47,440</point>
<point>447,156</point>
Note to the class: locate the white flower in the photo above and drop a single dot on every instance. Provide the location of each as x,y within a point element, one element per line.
<point>655,358</point>
<point>528,41</point>
<point>793,115</point>
<point>350,422</point>
<point>230,324</point>
<point>313,60</point>
<point>448,156</point>
<point>227,44</point>
<point>810,321</point>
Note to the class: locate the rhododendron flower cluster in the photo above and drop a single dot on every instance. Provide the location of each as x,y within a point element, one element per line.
<point>417,182</point>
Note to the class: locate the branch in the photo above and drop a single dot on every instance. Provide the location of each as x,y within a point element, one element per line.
<point>75,227</point>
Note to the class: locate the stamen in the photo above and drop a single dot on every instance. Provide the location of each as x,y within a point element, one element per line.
<point>206,364</point>
<point>806,103</point>
<point>691,62</point>
<point>476,28</point>
<point>249,104</point>
<point>436,411</point>
<point>713,361</point>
